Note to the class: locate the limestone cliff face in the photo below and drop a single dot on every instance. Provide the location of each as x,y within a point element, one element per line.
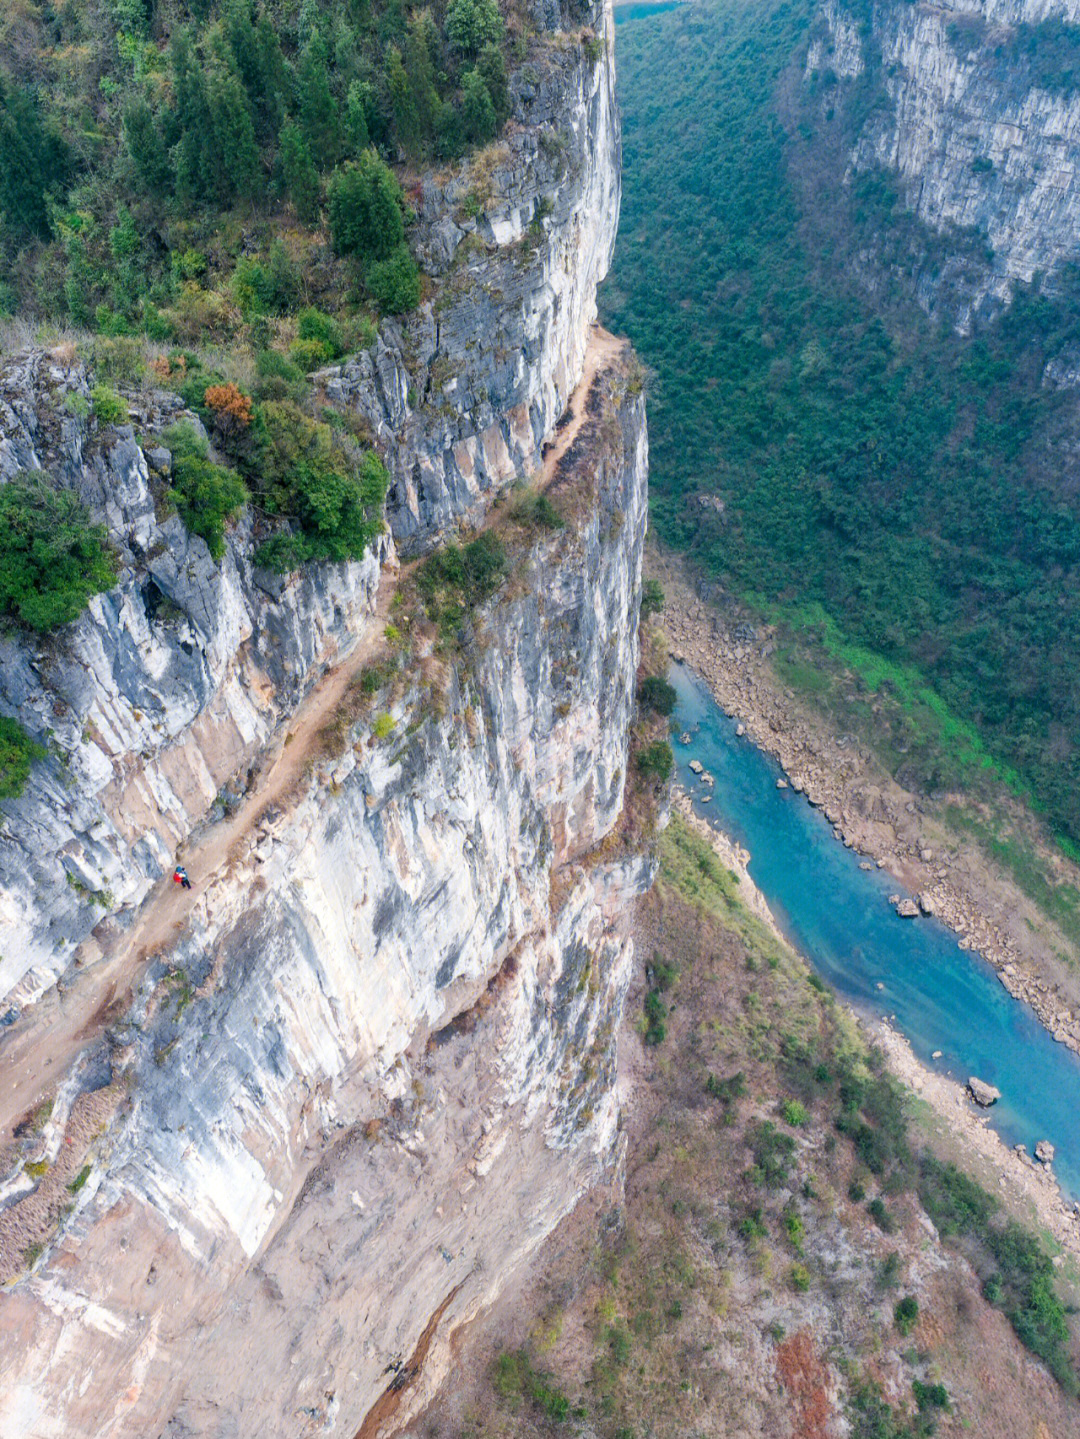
<point>394,1072</point>
<point>977,124</point>
<point>372,1064</point>
<point>157,698</point>
<point>160,697</point>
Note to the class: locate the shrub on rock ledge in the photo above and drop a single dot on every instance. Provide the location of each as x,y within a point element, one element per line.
<point>206,495</point>
<point>17,753</point>
<point>656,761</point>
<point>655,693</point>
<point>52,558</point>
<point>109,408</point>
<point>335,497</point>
<point>652,598</point>
<point>394,283</point>
<point>906,1314</point>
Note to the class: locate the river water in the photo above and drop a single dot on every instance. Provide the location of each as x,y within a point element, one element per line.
<point>939,996</point>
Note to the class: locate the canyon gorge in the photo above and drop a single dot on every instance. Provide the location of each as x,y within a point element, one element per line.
<point>472,1089</point>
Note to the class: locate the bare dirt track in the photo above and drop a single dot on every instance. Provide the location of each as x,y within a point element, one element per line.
<point>43,1043</point>
<point>62,1022</point>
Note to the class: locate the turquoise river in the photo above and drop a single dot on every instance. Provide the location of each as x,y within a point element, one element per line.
<point>939,996</point>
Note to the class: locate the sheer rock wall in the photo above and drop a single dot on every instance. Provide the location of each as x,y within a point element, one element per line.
<point>978,125</point>
<point>376,1065</point>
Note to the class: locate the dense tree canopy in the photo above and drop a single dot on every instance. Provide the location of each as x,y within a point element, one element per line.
<point>471,24</point>
<point>182,112</point>
<point>897,494</point>
<point>34,163</point>
<point>365,209</point>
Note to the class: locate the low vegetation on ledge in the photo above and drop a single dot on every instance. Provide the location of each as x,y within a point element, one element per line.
<point>17,753</point>
<point>315,475</point>
<point>52,558</point>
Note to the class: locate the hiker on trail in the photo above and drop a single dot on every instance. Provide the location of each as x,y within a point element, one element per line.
<point>180,876</point>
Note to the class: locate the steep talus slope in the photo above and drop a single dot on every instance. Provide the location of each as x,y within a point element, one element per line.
<point>373,1065</point>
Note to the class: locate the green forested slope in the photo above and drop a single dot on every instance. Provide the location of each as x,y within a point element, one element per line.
<point>900,495</point>
<point>145,146</point>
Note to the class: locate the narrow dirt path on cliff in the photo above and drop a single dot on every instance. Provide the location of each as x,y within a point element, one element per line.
<point>36,1054</point>
<point>603,350</point>
<point>63,1022</point>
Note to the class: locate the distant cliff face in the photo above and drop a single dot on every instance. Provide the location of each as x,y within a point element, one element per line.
<point>980,123</point>
<point>373,1065</point>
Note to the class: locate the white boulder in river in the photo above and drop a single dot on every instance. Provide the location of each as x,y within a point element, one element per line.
<point>981,1093</point>
<point>1044,1152</point>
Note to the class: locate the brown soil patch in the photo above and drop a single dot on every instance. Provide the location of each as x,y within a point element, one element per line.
<point>387,1403</point>
<point>804,1377</point>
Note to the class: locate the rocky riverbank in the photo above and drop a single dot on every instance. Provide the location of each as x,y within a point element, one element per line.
<point>1029,1190</point>
<point>1023,1183</point>
<point>893,828</point>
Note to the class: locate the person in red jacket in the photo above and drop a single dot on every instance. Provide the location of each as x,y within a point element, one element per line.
<point>180,876</point>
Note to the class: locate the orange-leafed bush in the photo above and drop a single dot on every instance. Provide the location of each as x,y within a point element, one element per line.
<point>230,405</point>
